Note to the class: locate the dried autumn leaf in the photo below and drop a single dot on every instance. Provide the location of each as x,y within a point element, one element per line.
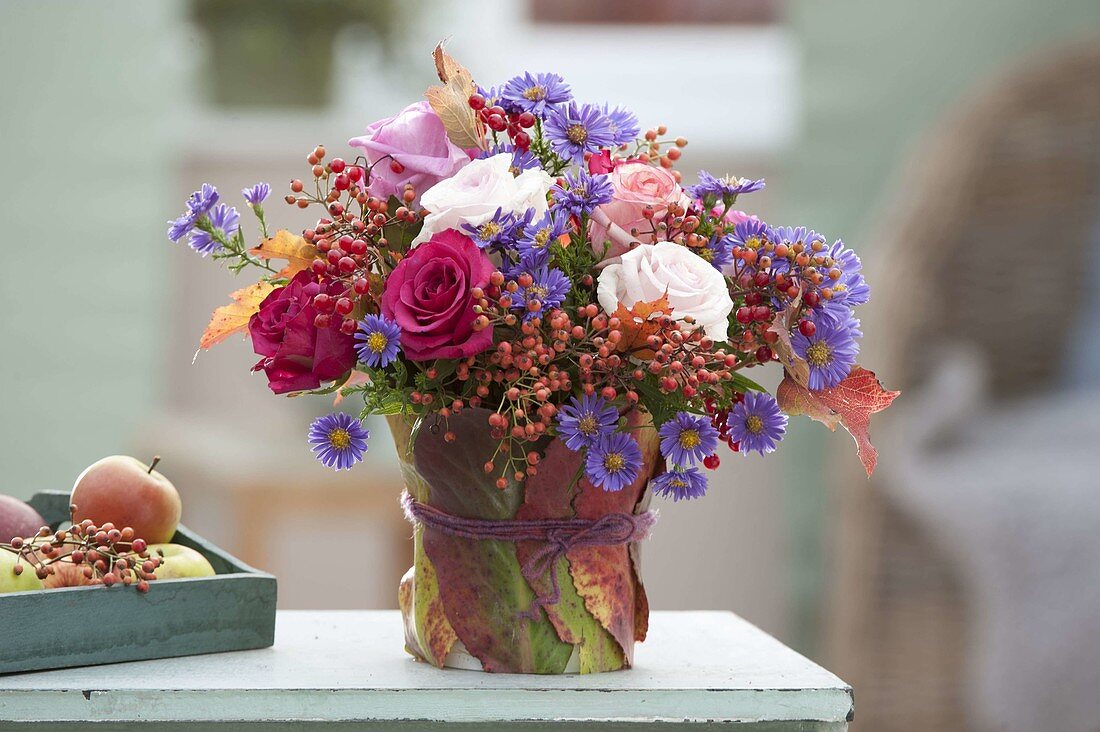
<point>231,318</point>
<point>795,366</point>
<point>851,402</point>
<point>298,252</point>
<point>451,101</point>
<point>639,322</point>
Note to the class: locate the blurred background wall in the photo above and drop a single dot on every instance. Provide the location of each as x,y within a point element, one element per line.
<point>916,131</point>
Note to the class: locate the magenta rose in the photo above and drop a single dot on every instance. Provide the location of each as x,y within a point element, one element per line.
<point>429,295</point>
<point>417,141</point>
<point>297,355</point>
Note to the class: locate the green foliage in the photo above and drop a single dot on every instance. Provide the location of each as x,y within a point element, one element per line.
<point>400,234</point>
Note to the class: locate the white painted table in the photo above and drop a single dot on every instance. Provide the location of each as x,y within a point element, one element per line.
<point>347,670</point>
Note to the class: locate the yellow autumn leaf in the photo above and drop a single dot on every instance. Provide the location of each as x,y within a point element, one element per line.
<point>232,318</point>
<point>298,252</point>
<point>451,101</point>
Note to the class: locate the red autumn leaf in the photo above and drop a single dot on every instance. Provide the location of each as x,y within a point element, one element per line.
<point>546,496</point>
<point>604,575</point>
<point>852,402</point>
<point>639,322</point>
<point>797,400</point>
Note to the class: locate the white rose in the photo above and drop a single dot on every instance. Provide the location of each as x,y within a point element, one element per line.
<point>473,195</point>
<point>694,286</point>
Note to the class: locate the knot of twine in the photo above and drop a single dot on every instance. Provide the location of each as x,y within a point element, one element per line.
<point>556,537</point>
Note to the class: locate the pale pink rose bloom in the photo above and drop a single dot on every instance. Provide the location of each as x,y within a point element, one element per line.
<point>650,271</point>
<point>636,185</point>
<point>416,139</point>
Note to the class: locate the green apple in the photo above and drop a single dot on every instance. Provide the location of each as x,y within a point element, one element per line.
<point>178,561</point>
<point>12,582</point>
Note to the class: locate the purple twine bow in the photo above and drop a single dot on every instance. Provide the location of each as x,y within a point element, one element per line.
<point>557,536</point>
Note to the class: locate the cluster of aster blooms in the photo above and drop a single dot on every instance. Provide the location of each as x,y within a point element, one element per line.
<point>513,249</point>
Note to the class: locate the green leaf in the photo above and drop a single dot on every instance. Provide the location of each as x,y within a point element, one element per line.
<point>744,383</point>
<point>399,234</point>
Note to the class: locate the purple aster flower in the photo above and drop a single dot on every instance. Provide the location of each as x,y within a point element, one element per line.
<point>576,129</point>
<point>688,438</point>
<point>792,236</point>
<point>757,423</point>
<point>494,97</point>
<point>624,124</point>
<point>850,289</point>
<point>339,440</point>
<point>539,235</point>
<point>379,341</point>
<point>751,234</point>
<point>521,159</point>
<point>500,231</point>
<point>198,205</point>
<point>582,422</point>
<point>725,187</point>
<point>831,351</point>
<point>613,463</point>
<point>533,92</point>
<point>680,484</point>
<point>548,288</point>
<point>223,219</point>
<point>718,251</point>
<point>257,194</point>
<point>582,193</point>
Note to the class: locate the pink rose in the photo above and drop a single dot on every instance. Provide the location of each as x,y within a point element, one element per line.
<point>733,216</point>
<point>636,185</point>
<point>429,295</point>
<point>415,138</point>
<point>297,355</point>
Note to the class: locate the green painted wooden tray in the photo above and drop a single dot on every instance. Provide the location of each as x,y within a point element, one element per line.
<point>84,626</point>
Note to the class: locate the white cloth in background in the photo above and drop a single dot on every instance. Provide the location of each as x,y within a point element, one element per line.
<point>1012,494</point>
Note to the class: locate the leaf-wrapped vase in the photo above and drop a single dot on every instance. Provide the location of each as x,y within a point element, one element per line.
<point>466,602</point>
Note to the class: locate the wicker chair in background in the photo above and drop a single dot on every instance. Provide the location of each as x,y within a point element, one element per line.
<point>1011,181</point>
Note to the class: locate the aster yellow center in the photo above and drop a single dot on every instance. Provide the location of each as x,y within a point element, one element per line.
<point>538,291</point>
<point>377,342</point>
<point>613,462</point>
<point>542,236</point>
<point>339,438</point>
<point>754,242</point>
<point>754,424</point>
<point>488,230</point>
<point>534,93</point>
<point>588,425</point>
<point>818,354</point>
<point>577,134</point>
<point>689,439</point>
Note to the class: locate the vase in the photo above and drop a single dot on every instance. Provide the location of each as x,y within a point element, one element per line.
<point>545,606</point>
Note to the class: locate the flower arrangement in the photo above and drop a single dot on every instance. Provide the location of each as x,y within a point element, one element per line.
<point>515,254</point>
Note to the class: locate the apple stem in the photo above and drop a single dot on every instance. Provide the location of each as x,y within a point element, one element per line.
<point>156,459</point>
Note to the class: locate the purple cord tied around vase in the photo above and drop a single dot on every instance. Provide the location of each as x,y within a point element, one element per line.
<point>557,536</point>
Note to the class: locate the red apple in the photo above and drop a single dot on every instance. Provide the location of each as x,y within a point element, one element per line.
<point>67,574</point>
<point>18,519</point>
<point>127,492</point>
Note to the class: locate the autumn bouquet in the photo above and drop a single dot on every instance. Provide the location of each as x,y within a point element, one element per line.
<point>556,328</point>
